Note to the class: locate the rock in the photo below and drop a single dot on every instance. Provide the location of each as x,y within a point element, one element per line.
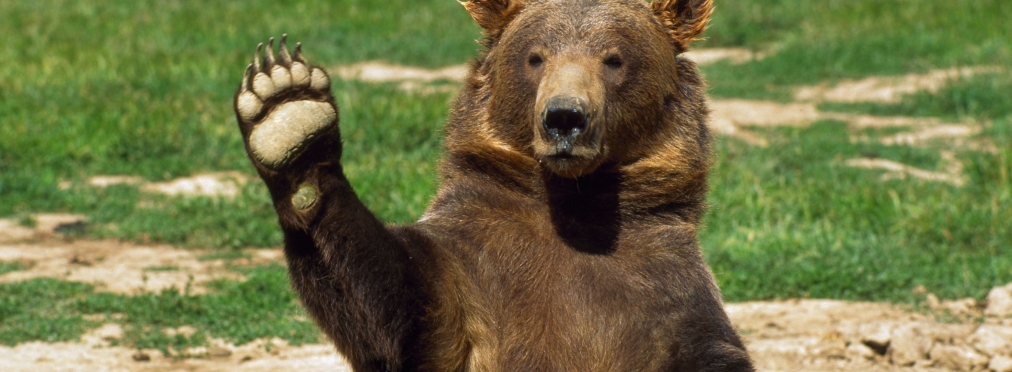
<point>993,339</point>
<point>1000,364</point>
<point>947,333</point>
<point>876,336</point>
<point>909,344</point>
<point>999,301</point>
<point>219,352</point>
<point>965,307</point>
<point>923,364</point>
<point>933,301</point>
<point>960,358</point>
<point>276,345</point>
<point>141,356</point>
<point>185,331</point>
<point>859,351</point>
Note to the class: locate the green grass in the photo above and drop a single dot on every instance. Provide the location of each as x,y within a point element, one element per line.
<point>41,309</point>
<point>144,89</point>
<point>261,307</point>
<point>9,266</point>
<point>123,87</point>
<point>790,220</point>
<point>818,41</point>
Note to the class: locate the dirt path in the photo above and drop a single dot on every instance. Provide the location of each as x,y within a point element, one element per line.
<point>794,335</point>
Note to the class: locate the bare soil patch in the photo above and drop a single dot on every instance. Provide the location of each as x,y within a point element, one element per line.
<point>110,265</point>
<point>93,353</point>
<point>733,55</point>
<point>383,72</point>
<point>889,89</point>
<point>895,170</point>
<point>219,184</point>
<point>426,81</point>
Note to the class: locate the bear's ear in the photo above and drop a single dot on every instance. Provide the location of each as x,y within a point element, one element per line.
<point>683,19</point>
<point>493,15</point>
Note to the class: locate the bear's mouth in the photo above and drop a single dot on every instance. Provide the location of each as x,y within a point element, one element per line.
<point>568,158</point>
<point>568,140</point>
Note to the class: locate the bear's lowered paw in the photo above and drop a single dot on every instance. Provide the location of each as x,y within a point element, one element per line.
<point>283,105</point>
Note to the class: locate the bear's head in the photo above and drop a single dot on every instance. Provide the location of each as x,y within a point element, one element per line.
<point>580,83</point>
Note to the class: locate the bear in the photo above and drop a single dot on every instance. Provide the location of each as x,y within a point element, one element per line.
<point>563,233</point>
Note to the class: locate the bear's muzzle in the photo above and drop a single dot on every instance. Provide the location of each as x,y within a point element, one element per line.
<point>564,119</point>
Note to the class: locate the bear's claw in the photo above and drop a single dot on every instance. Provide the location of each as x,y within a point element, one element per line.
<point>282,126</point>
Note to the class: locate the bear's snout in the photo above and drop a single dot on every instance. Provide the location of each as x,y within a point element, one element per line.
<point>568,128</point>
<point>564,119</point>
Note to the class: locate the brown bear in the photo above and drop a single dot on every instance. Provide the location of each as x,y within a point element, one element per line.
<point>563,233</point>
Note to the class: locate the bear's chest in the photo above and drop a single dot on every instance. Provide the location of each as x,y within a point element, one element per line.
<point>537,294</point>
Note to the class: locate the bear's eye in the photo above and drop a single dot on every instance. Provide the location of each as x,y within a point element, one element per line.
<point>535,60</point>
<point>613,61</point>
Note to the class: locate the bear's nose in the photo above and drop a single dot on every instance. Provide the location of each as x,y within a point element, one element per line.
<point>565,118</point>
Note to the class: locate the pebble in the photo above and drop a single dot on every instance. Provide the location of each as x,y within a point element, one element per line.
<point>999,301</point>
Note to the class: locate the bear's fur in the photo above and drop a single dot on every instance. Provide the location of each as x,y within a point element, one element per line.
<point>563,233</point>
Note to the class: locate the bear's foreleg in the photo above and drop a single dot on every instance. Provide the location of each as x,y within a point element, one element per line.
<point>354,276</point>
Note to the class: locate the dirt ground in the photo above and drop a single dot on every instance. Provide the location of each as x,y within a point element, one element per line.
<point>792,335</point>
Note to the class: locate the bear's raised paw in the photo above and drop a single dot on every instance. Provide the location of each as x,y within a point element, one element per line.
<point>283,105</point>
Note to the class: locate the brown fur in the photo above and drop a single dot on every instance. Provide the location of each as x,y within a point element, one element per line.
<point>528,260</point>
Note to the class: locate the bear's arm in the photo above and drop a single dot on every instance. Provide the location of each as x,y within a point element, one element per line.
<point>359,279</point>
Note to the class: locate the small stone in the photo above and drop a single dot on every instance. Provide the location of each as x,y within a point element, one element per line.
<point>185,331</point>
<point>992,339</point>
<point>109,332</point>
<point>276,346</point>
<point>999,301</point>
<point>1000,363</point>
<point>876,336</point>
<point>932,301</point>
<point>923,364</point>
<point>141,356</point>
<point>859,351</point>
<point>219,352</point>
<point>960,358</point>
<point>965,307</point>
<point>947,333</point>
<point>908,345</point>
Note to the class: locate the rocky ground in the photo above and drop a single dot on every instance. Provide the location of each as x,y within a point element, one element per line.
<point>791,335</point>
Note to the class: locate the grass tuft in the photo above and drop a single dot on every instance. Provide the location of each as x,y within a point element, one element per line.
<point>10,266</point>
<point>261,307</point>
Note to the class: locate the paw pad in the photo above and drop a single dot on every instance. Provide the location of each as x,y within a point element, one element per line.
<point>305,197</point>
<point>282,129</point>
